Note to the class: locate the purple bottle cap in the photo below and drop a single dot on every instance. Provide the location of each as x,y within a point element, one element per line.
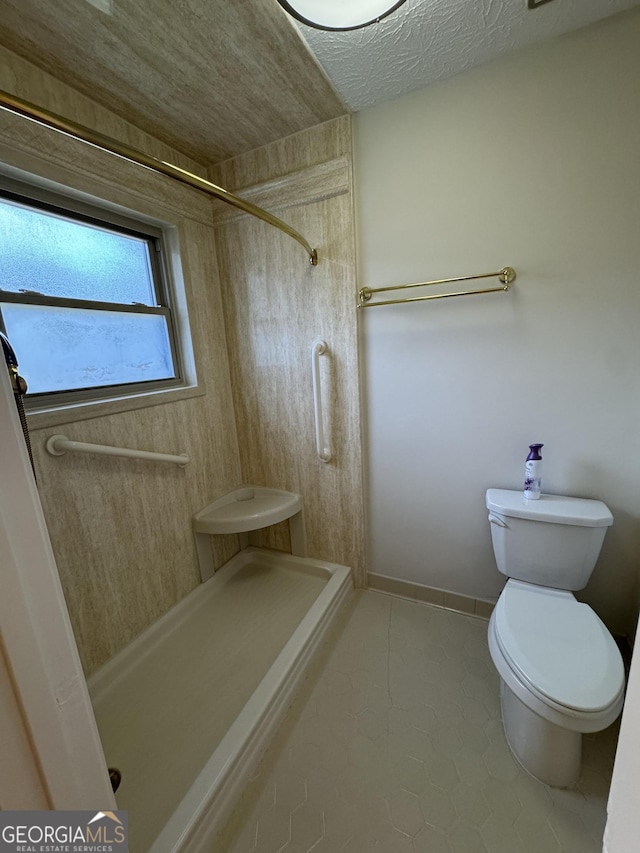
<point>534,452</point>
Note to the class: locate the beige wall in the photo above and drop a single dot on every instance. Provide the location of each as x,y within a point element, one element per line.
<point>531,161</point>
<point>121,529</point>
<point>24,80</point>
<point>275,306</point>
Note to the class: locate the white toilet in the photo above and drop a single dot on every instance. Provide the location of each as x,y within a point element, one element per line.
<point>561,673</point>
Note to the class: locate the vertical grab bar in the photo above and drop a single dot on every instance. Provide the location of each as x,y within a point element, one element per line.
<point>318,348</point>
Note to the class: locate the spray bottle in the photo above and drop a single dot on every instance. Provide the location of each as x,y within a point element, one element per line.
<point>533,473</point>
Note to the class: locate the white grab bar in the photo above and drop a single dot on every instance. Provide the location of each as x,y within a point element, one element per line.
<point>318,348</point>
<point>57,445</point>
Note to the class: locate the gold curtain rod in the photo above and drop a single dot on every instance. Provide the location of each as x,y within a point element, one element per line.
<point>106,143</point>
<point>506,275</point>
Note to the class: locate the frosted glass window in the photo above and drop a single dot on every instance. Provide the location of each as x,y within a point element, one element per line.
<point>83,300</point>
<point>56,256</point>
<point>87,349</point>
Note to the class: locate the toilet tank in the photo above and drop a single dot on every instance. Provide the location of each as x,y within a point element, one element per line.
<point>554,541</point>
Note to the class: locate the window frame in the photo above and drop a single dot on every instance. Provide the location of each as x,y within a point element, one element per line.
<point>157,238</point>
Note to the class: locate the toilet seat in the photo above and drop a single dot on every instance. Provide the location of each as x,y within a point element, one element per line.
<point>559,648</point>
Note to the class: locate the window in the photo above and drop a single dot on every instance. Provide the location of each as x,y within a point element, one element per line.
<point>84,300</point>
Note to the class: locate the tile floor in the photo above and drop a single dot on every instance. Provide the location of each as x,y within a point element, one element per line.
<point>395,744</point>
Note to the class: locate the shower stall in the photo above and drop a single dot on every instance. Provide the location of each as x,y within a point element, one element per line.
<point>120,528</point>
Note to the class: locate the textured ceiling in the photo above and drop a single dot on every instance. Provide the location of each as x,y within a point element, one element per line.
<point>430,40</point>
<point>216,78</point>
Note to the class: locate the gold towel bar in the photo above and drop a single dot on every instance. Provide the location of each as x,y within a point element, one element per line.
<point>506,275</point>
<point>106,143</point>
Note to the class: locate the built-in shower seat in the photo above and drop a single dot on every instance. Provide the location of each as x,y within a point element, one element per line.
<point>245,509</point>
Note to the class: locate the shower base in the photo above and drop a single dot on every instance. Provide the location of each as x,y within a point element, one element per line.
<point>186,710</point>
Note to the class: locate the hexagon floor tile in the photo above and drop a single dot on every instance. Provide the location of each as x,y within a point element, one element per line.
<point>395,744</point>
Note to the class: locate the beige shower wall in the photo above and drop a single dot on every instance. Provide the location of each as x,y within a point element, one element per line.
<point>21,78</point>
<point>121,529</point>
<point>275,306</point>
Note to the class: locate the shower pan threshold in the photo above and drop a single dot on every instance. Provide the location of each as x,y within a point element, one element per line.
<point>186,710</point>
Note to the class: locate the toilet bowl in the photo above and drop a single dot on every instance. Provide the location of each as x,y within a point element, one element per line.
<point>561,673</point>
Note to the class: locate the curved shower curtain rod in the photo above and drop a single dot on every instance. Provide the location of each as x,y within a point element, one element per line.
<point>106,143</point>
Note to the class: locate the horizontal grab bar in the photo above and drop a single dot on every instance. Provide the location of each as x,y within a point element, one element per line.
<point>58,445</point>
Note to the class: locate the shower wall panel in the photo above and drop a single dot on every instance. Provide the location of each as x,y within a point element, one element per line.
<point>120,528</point>
<point>275,306</point>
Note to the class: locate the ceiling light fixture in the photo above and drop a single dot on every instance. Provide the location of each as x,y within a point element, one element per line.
<point>339,15</point>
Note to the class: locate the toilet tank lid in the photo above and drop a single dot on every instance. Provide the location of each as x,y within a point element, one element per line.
<point>557,509</point>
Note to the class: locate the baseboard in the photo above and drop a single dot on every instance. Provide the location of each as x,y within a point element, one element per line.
<point>430,595</point>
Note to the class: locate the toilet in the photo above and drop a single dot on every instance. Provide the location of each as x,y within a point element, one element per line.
<point>561,673</point>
